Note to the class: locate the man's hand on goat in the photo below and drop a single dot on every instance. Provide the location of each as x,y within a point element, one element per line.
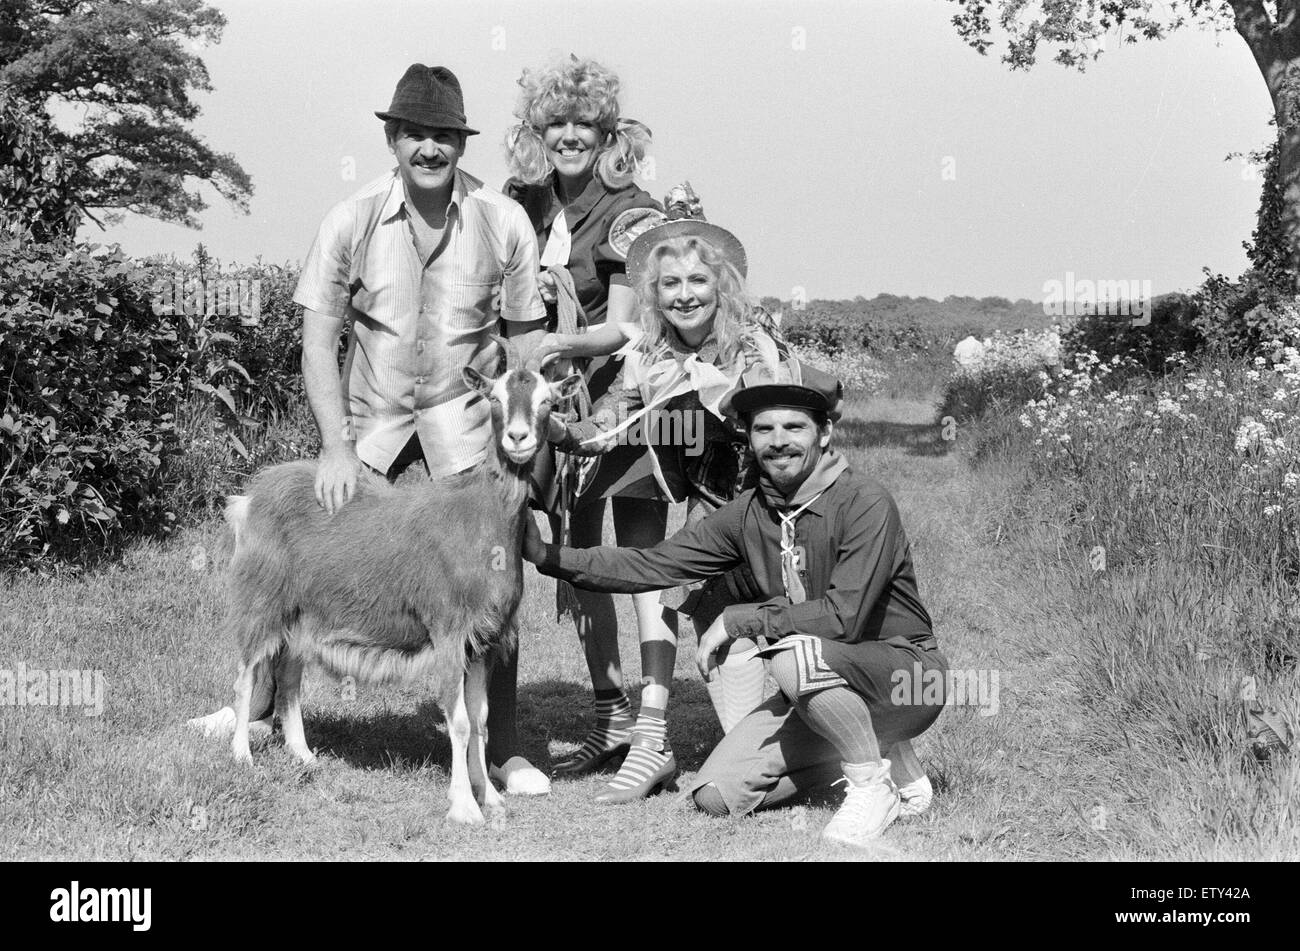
<point>534,547</point>
<point>336,477</point>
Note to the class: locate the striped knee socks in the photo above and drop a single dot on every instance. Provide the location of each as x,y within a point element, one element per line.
<point>738,687</point>
<point>643,762</point>
<point>613,727</point>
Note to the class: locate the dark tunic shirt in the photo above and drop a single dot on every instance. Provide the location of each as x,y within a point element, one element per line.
<point>592,261</point>
<point>856,570</point>
<point>594,266</point>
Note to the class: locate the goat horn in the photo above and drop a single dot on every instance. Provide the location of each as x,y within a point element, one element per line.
<point>508,350</point>
<point>536,365</point>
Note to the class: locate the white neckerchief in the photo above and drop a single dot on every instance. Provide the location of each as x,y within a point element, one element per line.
<point>560,243</point>
<point>794,589</point>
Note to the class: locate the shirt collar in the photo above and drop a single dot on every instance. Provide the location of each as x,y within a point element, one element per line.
<point>395,203</point>
<point>577,209</point>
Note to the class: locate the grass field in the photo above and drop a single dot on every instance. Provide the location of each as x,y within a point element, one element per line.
<point>1033,781</point>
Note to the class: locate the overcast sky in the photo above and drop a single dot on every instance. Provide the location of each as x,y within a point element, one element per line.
<point>819,132</point>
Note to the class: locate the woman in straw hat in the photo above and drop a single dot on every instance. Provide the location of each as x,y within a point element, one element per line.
<point>696,332</point>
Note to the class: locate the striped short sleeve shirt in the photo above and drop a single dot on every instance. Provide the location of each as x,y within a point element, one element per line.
<point>415,323</point>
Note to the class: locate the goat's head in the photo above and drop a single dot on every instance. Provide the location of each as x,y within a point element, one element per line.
<point>521,402</point>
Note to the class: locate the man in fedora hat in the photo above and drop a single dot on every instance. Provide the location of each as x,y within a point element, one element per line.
<point>838,605</point>
<point>424,265</point>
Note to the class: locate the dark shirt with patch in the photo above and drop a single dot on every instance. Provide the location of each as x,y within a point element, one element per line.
<point>856,570</point>
<point>593,263</point>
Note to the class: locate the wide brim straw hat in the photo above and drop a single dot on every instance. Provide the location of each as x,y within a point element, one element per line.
<point>638,231</point>
<point>722,240</point>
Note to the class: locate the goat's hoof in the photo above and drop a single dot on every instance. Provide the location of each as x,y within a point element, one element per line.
<point>244,756</point>
<point>306,758</point>
<point>465,814</point>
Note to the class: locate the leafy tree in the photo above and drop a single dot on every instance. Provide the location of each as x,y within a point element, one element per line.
<point>127,70</point>
<point>1076,29</point>
<point>36,197</point>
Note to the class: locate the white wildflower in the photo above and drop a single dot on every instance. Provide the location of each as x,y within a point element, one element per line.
<point>1249,434</point>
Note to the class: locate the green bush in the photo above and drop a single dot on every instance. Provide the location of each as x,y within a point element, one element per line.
<point>1009,371</point>
<point>90,386</point>
<point>1240,318</point>
<point>969,396</point>
<point>136,392</point>
<point>239,329</point>
<point>209,468</point>
<point>1173,328</point>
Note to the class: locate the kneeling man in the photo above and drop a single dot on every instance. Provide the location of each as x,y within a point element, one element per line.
<point>839,608</point>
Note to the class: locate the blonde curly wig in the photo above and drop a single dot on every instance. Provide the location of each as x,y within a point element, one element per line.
<point>567,89</point>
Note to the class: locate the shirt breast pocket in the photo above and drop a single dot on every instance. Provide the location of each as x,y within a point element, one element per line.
<point>475,303</point>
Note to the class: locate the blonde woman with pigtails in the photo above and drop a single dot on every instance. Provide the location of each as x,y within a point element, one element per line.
<point>573,158</point>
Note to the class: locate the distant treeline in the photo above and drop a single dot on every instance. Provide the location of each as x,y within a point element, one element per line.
<point>887,322</point>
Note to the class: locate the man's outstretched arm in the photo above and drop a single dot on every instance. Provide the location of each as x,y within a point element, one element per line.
<point>710,547</point>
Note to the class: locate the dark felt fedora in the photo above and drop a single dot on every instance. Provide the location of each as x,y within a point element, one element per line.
<point>429,96</point>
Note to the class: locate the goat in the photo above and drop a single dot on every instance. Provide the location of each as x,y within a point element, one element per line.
<point>402,582</point>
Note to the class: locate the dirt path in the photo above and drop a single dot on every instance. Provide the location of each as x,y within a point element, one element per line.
<point>1013,779</point>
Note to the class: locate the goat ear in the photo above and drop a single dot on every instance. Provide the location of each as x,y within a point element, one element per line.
<point>476,381</point>
<point>567,387</point>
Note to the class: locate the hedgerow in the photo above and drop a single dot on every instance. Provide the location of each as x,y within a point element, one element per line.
<point>100,356</point>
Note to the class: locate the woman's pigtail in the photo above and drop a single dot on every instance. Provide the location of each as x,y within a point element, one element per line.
<point>526,155</point>
<point>619,163</point>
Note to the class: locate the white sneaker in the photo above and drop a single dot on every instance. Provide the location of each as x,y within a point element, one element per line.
<point>916,797</point>
<point>222,725</point>
<point>871,803</point>
<point>520,778</point>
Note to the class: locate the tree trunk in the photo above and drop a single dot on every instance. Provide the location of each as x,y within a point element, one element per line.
<point>1288,181</point>
<point>1276,48</point>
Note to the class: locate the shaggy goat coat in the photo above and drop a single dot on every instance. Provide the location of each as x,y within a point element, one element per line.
<point>330,587</point>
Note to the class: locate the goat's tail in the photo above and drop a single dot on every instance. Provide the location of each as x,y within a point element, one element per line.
<point>237,515</point>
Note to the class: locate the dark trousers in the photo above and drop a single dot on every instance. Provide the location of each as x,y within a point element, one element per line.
<point>503,732</point>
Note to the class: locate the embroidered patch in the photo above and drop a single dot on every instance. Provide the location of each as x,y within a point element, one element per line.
<point>814,674</point>
<point>630,225</point>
